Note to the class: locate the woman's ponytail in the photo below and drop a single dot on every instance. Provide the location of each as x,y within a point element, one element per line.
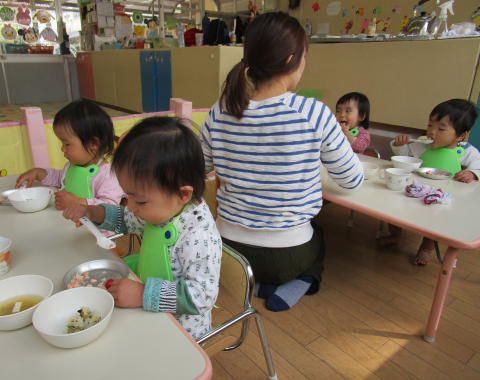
<point>235,93</point>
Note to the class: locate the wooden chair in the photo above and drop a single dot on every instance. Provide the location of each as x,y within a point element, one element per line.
<point>237,277</point>
<point>372,153</point>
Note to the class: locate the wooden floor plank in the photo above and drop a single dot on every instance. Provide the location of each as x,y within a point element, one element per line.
<point>466,308</point>
<point>475,362</point>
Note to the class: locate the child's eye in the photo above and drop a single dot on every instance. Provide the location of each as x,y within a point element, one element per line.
<point>140,203</point>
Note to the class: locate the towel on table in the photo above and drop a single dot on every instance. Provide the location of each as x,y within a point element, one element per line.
<point>417,190</point>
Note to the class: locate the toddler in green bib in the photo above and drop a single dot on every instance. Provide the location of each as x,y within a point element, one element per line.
<point>448,125</point>
<point>87,136</point>
<point>161,168</point>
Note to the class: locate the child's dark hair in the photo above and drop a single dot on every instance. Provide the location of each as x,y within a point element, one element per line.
<point>161,151</point>
<point>461,112</point>
<point>363,106</point>
<point>89,122</point>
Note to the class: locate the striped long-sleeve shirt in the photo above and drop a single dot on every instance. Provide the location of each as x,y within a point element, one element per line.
<point>269,166</point>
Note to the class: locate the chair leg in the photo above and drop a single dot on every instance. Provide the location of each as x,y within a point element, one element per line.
<point>380,229</point>
<point>266,350</point>
<point>350,221</point>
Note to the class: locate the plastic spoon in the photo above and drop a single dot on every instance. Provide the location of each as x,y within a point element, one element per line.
<point>102,241</point>
<point>422,141</point>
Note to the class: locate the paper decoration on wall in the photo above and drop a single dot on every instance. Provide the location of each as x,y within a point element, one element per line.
<point>380,24</point>
<point>403,23</point>
<point>345,13</point>
<point>6,13</point>
<point>139,30</point>
<point>397,9</point>
<point>23,16</point>
<point>364,26</point>
<point>359,12</point>
<point>315,7</point>
<point>29,35</point>
<point>43,16</point>
<point>3,173</point>
<point>476,18</point>
<point>377,10</point>
<point>323,28</point>
<point>8,32</point>
<point>334,8</point>
<point>48,34</point>
<point>348,26</point>
<point>137,17</point>
<point>386,25</point>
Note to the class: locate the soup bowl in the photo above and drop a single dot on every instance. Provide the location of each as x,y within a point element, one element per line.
<point>407,163</point>
<point>31,200</point>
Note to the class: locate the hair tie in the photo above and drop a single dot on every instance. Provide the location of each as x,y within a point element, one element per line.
<point>244,61</point>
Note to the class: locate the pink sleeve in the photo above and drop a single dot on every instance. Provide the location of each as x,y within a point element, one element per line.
<point>54,177</point>
<point>362,141</point>
<point>105,187</point>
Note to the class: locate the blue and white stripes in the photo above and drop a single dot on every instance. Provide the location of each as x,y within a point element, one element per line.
<point>269,165</point>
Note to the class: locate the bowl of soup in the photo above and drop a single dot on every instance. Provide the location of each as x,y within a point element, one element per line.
<point>19,297</point>
<point>31,200</point>
<point>407,163</point>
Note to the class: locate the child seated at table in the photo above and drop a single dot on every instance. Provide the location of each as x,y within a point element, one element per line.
<point>353,113</point>
<point>448,125</point>
<point>87,136</point>
<point>160,166</point>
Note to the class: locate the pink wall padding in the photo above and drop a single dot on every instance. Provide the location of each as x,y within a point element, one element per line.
<point>139,115</point>
<point>183,109</point>
<point>11,124</point>
<point>36,134</point>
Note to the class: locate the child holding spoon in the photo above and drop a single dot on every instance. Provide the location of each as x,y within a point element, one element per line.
<point>448,125</point>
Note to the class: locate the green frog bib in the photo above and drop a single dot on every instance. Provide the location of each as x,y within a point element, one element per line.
<point>354,131</point>
<point>154,259</point>
<point>443,158</point>
<point>77,180</point>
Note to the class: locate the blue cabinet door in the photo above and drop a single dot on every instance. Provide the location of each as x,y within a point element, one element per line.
<point>163,77</point>
<point>147,71</point>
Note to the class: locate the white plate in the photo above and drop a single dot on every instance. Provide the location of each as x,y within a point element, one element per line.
<point>436,173</point>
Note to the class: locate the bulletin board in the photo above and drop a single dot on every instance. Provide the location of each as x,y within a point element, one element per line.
<point>352,16</point>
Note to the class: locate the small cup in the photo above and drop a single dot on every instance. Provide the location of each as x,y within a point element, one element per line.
<point>4,255</point>
<point>396,179</point>
<point>199,39</point>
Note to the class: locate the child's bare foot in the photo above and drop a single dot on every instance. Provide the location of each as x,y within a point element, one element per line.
<point>391,239</point>
<point>422,258</point>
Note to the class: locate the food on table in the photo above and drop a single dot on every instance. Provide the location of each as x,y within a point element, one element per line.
<point>2,199</point>
<point>108,283</point>
<point>82,320</point>
<point>429,172</point>
<point>96,278</point>
<point>18,304</point>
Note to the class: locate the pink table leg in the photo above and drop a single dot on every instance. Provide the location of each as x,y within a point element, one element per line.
<point>440,294</point>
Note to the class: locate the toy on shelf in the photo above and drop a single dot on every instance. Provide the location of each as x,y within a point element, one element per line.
<point>48,34</point>
<point>139,30</point>
<point>23,16</point>
<point>8,32</point>
<point>447,6</point>
<point>29,35</point>
<point>152,26</point>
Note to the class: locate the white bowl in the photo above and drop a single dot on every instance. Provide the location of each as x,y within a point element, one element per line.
<point>407,163</point>
<point>50,318</point>
<point>32,199</point>
<point>19,285</point>
<point>369,170</point>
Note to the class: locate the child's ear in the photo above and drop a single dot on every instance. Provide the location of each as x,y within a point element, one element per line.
<point>362,118</point>
<point>94,145</point>
<point>185,194</point>
<point>461,137</point>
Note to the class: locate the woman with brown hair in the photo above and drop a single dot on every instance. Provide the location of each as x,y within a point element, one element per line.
<point>266,144</point>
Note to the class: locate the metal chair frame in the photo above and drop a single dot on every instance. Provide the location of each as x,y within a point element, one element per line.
<point>244,316</point>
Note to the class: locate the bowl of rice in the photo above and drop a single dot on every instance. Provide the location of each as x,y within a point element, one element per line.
<point>74,317</point>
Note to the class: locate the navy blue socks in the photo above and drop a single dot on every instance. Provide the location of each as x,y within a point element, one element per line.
<point>286,295</point>
<point>264,290</point>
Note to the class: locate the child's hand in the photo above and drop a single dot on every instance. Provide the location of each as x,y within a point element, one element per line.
<point>30,176</point>
<point>75,211</point>
<point>465,176</point>
<point>401,140</point>
<point>64,198</point>
<point>127,293</point>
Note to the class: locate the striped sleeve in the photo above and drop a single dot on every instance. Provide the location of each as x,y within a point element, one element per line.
<point>337,155</point>
<point>206,142</point>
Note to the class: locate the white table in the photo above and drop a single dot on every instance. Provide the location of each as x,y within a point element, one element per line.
<point>135,344</point>
<point>457,225</point>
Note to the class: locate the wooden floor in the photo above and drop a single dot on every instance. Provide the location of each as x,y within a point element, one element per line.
<point>368,319</point>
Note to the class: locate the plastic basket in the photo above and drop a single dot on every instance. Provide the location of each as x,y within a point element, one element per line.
<point>16,49</point>
<point>40,49</point>
<point>159,42</point>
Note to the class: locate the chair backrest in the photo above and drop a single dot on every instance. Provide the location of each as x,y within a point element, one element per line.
<point>371,152</point>
<point>232,275</point>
